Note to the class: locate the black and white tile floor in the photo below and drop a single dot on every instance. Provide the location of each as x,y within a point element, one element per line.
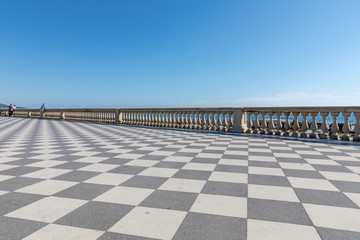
<point>71,180</point>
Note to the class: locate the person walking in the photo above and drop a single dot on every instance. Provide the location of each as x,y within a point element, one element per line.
<point>42,110</point>
<point>11,110</point>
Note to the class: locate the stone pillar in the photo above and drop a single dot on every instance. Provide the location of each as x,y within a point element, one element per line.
<point>304,126</point>
<point>287,126</point>
<point>334,127</point>
<point>346,127</point>
<point>324,126</point>
<point>239,121</point>
<point>271,124</point>
<point>263,124</point>
<point>62,115</point>
<point>314,126</point>
<point>279,124</point>
<point>29,114</point>
<point>357,127</point>
<point>296,126</point>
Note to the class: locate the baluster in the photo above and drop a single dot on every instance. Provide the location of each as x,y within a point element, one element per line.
<point>314,126</point>
<point>263,125</point>
<point>249,122</point>
<point>212,121</point>
<point>357,127</point>
<point>226,122</point>
<point>335,127</point>
<point>221,123</point>
<point>257,123</point>
<point>279,125</point>
<point>287,126</point>
<point>271,127</point>
<point>186,115</point>
<point>207,121</point>
<point>304,126</point>
<point>346,127</point>
<point>324,126</point>
<point>296,125</point>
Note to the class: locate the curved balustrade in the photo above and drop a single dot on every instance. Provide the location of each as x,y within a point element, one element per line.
<point>300,122</point>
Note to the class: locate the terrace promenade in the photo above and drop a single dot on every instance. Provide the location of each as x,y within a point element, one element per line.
<point>73,180</point>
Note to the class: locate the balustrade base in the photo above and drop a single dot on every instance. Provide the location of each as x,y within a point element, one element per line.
<point>314,135</point>
<point>345,137</point>
<point>335,137</point>
<point>279,133</point>
<point>304,135</point>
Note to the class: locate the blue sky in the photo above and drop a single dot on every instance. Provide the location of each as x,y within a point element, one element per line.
<point>179,53</point>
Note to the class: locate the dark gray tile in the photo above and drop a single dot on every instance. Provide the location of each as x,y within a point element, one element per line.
<point>330,168</point>
<point>291,160</point>
<point>277,211</point>
<point>226,188</point>
<point>328,198</point>
<point>334,234</point>
<point>235,157</point>
<point>119,236</point>
<point>185,154</point>
<point>262,154</point>
<point>353,187</point>
<point>303,174</point>
<point>170,200</point>
<point>23,161</point>
<point>68,158</point>
<point>175,165</point>
<point>72,165</point>
<point>153,157</point>
<point>18,171</point>
<point>95,215</point>
<point>127,170</point>
<point>264,164</point>
<point>13,184</point>
<point>231,168</point>
<point>12,201</point>
<point>144,182</point>
<point>77,176</point>
<point>205,160</point>
<point>192,174</point>
<point>86,191</point>
<point>119,161</point>
<point>268,180</point>
<point>211,227</point>
<point>16,229</point>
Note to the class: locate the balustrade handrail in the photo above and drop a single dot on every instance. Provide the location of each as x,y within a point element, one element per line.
<point>258,120</point>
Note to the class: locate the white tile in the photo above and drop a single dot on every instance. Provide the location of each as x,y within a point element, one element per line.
<point>262,158</point>
<point>98,167</point>
<point>4,167</point>
<point>241,153</point>
<point>57,232</point>
<point>354,169</point>
<point>150,222</point>
<point>5,159</point>
<point>3,192</point>
<point>47,156</point>
<point>260,230</point>
<point>130,156</point>
<point>47,187</point>
<point>233,162</point>
<point>162,153</point>
<point>191,150</point>
<point>48,209</point>
<point>159,172</point>
<point>200,166</point>
<point>142,163</point>
<point>120,150</point>
<point>183,185</point>
<point>109,179</point>
<point>343,158</point>
<point>85,154</point>
<point>355,197</point>
<point>309,183</point>
<point>178,159</point>
<point>272,193</point>
<point>341,176</point>
<point>91,159</point>
<point>5,177</point>
<point>296,166</point>
<point>47,173</point>
<point>266,171</point>
<point>322,161</point>
<point>124,195</point>
<point>220,205</point>
<point>308,152</point>
<point>262,150</point>
<point>334,217</point>
<point>229,177</point>
<point>328,149</point>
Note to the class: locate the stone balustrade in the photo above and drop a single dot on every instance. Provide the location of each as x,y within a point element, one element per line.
<point>299,122</point>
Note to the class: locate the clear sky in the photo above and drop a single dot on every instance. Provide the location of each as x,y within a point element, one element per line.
<point>179,53</point>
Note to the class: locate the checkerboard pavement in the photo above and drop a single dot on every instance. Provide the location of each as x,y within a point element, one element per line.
<point>73,180</point>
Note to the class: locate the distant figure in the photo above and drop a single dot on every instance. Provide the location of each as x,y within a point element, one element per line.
<point>11,110</point>
<point>42,110</point>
